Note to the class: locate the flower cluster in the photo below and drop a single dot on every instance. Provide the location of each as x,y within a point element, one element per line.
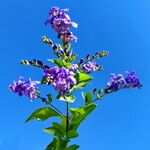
<point>132,80</point>
<point>61,78</point>
<point>90,66</point>
<point>27,88</point>
<point>61,23</point>
<point>119,82</point>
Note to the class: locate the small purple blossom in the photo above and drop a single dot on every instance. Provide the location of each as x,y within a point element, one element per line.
<point>54,11</point>
<point>132,79</point>
<point>68,36</point>
<point>61,23</point>
<point>27,88</point>
<point>119,82</point>
<point>61,78</point>
<point>73,67</point>
<point>90,66</point>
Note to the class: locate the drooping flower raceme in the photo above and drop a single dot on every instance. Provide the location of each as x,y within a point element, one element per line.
<point>61,78</point>
<point>27,88</point>
<point>61,23</point>
<point>119,82</point>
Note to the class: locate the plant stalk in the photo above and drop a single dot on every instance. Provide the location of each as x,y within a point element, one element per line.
<point>67,117</point>
<point>57,110</point>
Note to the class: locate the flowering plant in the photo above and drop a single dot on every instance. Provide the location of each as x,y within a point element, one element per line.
<point>66,77</point>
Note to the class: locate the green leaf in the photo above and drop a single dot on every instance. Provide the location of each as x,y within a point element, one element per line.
<point>60,63</point>
<point>61,144</point>
<point>72,134</point>
<point>83,77</point>
<point>87,97</point>
<point>50,98</point>
<point>73,147</point>
<point>100,91</point>
<point>58,96</point>
<point>78,86</point>
<point>43,114</point>
<point>57,130</point>
<point>79,114</point>
<point>70,99</point>
<point>72,58</point>
<point>63,123</point>
<point>60,126</point>
<point>54,131</point>
<point>57,144</point>
<point>67,65</point>
<point>52,145</point>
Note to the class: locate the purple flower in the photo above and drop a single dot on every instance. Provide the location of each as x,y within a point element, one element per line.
<point>90,66</point>
<point>61,78</point>
<point>73,67</point>
<point>61,23</point>
<point>27,88</point>
<point>119,82</point>
<point>132,79</point>
<point>54,11</point>
<point>68,36</point>
<point>59,20</point>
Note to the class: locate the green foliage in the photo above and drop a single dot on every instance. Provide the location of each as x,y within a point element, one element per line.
<point>43,114</point>
<point>69,59</point>
<point>57,130</point>
<point>87,97</point>
<point>73,147</point>
<point>52,145</point>
<point>79,114</point>
<point>100,91</point>
<point>99,94</point>
<point>50,98</point>
<point>72,58</point>
<point>57,144</point>
<point>78,86</point>
<point>70,99</point>
<point>61,126</point>
<point>60,63</point>
<point>72,134</point>
<point>83,77</point>
<point>54,131</point>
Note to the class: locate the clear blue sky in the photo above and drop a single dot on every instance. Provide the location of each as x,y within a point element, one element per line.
<point>122,120</point>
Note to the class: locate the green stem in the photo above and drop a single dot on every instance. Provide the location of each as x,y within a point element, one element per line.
<point>57,110</point>
<point>67,117</point>
<point>88,61</point>
<point>67,103</point>
<point>97,99</point>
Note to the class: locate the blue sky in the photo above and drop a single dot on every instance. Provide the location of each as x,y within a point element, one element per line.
<point>122,120</point>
